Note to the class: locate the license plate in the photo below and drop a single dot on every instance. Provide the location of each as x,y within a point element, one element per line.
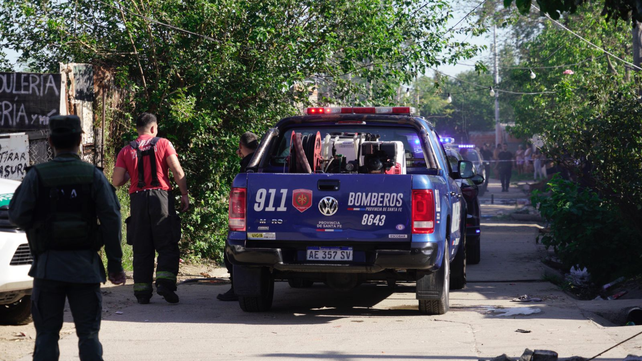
<point>329,254</point>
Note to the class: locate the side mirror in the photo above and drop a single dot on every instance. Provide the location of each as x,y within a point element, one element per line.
<point>465,169</point>
<point>478,179</point>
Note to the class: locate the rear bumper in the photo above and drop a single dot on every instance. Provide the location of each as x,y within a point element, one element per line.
<point>284,259</point>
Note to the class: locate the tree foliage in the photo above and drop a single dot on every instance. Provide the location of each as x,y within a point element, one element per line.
<point>213,69</point>
<point>616,10</point>
<point>588,231</point>
<point>587,110</point>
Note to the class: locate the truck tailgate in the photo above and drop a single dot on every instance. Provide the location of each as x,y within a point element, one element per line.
<point>329,207</point>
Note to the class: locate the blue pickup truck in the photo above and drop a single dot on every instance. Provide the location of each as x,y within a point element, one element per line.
<point>344,195</point>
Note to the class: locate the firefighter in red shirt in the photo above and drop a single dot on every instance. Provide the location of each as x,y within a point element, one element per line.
<point>154,225</point>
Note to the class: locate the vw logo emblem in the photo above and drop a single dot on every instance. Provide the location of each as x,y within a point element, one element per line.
<point>328,206</point>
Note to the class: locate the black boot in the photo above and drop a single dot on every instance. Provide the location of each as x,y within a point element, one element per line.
<point>167,293</point>
<point>228,296</point>
<point>143,299</point>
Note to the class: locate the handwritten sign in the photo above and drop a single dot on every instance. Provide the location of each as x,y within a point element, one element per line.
<point>14,155</point>
<point>28,100</point>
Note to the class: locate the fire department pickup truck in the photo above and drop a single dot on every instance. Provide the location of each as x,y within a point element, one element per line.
<point>347,195</point>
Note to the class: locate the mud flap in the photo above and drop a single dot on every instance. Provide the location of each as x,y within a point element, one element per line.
<point>428,286</point>
<point>247,280</point>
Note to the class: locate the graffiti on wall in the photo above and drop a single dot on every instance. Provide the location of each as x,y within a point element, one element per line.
<point>28,100</point>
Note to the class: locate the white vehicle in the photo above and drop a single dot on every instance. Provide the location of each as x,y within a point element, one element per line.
<point>15,261</point>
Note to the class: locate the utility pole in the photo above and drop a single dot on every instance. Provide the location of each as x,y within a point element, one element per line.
<point>636,31</point>
<point>498,130</point>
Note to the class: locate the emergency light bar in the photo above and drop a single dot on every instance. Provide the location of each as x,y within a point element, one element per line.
<point>361,110</point>
<point>470,146</point>
<point>447,140</point>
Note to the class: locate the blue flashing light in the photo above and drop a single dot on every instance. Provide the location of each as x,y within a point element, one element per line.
<point>469,146</point>
<point>417,141</point>
<point>447,140</point>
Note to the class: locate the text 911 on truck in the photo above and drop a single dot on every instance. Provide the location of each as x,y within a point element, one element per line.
<point>344,195</point>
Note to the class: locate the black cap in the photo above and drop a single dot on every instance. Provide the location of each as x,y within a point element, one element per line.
<point>65,124</point>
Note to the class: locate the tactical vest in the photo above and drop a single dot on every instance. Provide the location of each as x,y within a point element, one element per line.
<point>65,216</point>
<point>151,154</point>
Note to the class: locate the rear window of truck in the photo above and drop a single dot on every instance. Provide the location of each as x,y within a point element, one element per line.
<point>346,149</point>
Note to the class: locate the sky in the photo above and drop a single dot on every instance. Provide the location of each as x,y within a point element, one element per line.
<point>485,39</point>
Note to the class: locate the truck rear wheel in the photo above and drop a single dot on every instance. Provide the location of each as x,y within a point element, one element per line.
<point>473,250</point>
<point>440,305</point>
<point>262,302</point>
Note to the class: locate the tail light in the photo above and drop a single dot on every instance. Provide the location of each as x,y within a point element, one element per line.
<point>237,212</point>
<point>423,211</point>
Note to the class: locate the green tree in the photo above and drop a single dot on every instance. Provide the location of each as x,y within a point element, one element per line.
<point>212,69</point>
<point>588,113</point>
<point>624,10</point>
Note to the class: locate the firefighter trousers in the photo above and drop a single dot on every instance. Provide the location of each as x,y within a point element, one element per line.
<point>154,227</point>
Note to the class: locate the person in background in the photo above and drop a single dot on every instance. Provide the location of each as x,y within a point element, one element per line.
<point>496,152</point>
<point>154,225</point>
<point>69,211</point>
<point>487,155</point>
<point>248,142</point>
<point>505,167</point>
<point>519,159</point>
<point>537,166</point>
<point>528,158</point>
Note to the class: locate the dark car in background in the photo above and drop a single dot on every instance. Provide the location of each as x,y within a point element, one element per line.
<point>470,189</point>
<point>473,154</point>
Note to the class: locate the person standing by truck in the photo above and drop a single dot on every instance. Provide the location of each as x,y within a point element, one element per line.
<point>69,211</point>
<point>154,225</point>
<point>248,142</point>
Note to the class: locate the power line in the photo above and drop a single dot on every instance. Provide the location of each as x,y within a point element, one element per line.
<point>588,42</point>
<point>560,66</point>
<point>545,67</point>
<point>481,87</point>
<point>522,93</point>
<point>467,15</point>
<point>161,23</point>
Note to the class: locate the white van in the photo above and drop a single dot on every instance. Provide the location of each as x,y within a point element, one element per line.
<point>15,262</point>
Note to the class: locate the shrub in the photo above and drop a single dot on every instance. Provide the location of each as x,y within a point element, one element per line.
<point>589,231</point>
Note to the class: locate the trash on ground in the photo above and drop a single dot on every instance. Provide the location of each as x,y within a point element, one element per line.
<point>617,295</point>
<point>579,277</point>
<point>119,312</point>
<point>522,330</point>
<point>613,283</point>
<point>515,311</point>
<point>526,298</point>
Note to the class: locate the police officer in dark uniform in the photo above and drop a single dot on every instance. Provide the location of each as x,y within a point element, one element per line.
<point>69,211</point>
<point>505,167</point>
